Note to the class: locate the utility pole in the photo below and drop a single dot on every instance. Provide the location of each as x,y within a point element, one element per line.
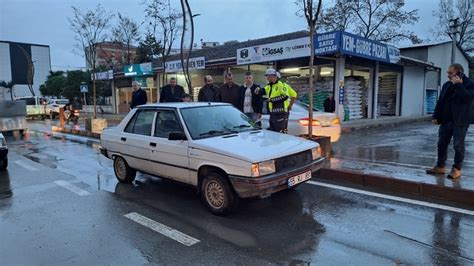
<point>453,28</point>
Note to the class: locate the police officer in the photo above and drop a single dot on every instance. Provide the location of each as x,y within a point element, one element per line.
<point>277,94</point>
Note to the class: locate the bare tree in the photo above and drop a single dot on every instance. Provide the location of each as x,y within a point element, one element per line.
<point>380,20</point>
<point>90,29</point>
<point>462,9</point>
<point>312,11</point>
<point>164,21</point>
<point>384,21</point>
<point>125,34</point>
<point>338,17</point>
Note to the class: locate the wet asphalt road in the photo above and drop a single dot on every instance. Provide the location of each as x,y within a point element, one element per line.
<point>44,223</point>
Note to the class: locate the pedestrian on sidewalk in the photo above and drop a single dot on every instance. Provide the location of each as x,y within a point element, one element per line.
<point>330,104</point>
<point>230,92</point>
<point>138,96</point>
<point>452,114</point>
<point>208,92</point>
<point>171,92</point>
<point>251,102</point>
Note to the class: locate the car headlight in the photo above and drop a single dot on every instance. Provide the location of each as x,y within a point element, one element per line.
<point>316,153</point>
<point>263,168</point>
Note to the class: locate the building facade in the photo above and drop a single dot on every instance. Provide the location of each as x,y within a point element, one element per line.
<point>111,54</point>
<point>26,65</point>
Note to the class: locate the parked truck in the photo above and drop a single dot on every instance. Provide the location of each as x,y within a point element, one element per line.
<point>13,116</point>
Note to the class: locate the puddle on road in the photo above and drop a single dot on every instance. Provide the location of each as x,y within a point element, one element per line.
<point>44,159</point>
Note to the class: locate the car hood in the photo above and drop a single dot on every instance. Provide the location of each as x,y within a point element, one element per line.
<point>256,146</point>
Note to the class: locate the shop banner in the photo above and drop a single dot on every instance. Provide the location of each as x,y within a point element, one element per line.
<point>274,51</point>
<point>194,63</point>
<point>350,44</point>
<point>106,75</point>
<point>144,69</point>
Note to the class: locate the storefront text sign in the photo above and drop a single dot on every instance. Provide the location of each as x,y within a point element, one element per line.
<point>106,75</point>
<point>274,51</point>
<point>350,44</point>
<point>194,63</point>
<point>144,69</point>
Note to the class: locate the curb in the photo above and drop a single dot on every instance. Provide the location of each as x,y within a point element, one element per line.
<point>70,136</point>
<point>389,184</point>
<point>82,133</point>
<point>350,128</point>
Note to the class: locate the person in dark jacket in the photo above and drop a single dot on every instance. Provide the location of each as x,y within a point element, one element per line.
<point>171,92</point>
<point>452,113</point>
<point>330,104</point>
<point>138,96</point>
<point>230,92</point>
<point>251,102</point>
<point>208,92</point>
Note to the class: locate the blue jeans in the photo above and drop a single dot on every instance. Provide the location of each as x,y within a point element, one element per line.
<point>458,133</point>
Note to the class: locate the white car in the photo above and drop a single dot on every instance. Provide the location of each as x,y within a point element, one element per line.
<point>3,153</point>
<point>212,146</point>
<point>324,124</point>
<point>52,108</point>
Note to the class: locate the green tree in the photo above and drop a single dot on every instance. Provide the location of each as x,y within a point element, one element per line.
<point>73,83</point>
<point>54,84</point>
<point>147,49</point>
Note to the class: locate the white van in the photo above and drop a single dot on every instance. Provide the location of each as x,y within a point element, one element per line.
<point>35,106</point>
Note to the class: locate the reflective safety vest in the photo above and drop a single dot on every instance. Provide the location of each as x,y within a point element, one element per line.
<point>278,95</point>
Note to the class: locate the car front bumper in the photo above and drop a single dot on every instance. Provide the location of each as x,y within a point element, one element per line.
<point>3,153</point>
<point>249,187</point>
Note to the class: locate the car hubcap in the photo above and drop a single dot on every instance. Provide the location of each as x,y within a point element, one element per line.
<point>121,168</point>
<point>215,194</point>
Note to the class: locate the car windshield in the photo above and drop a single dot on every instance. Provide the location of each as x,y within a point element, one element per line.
<point>211,121</point>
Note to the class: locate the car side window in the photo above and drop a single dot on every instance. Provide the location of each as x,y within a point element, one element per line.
<point>141,123</point>
<point>166,122</point>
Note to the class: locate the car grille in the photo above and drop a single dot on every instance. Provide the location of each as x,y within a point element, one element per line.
<point>292,161</point>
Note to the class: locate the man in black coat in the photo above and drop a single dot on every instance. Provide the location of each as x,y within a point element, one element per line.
<point>208,92</point>
<point>329,104</point>
<point>452,113</point>
<point>138,96</point>
<point>171,92</point>
<point>230,92</point>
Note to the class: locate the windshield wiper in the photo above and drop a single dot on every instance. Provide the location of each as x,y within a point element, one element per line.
<point>211,132</point>
<point>242,126</point>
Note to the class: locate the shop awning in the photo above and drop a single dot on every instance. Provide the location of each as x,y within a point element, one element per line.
<point>341,42</point>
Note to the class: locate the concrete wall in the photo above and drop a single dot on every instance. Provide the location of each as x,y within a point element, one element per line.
<point>413,91</point>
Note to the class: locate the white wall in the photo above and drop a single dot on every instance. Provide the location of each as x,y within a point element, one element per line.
<point>413,91</point>
<point>41,58</point>
<point>5,68</point>
<point>441,56</point>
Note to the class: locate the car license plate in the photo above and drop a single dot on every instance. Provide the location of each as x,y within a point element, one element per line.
<point>299,178</point>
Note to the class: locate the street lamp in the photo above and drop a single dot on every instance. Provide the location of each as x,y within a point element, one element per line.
<point>453,30</point>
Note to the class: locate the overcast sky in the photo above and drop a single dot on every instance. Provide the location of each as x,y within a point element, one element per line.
<point>45,21</point>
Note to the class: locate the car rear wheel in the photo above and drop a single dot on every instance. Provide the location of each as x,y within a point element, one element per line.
<point>4,164</point>
<point>217,194</point>
<point>123,172</point>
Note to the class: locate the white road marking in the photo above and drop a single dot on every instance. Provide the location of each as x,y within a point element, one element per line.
<point>71,187</point>
<point>162,229</point>
<point>26,165</point>
<point>395,198</point>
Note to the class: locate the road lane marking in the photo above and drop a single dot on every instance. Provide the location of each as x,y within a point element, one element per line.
<point>395,198</point>
<point>26,165</point>
<point>162,229</point>
<point>71,187</point>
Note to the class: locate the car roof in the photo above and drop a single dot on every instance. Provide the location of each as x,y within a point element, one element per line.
<point>182,105</point>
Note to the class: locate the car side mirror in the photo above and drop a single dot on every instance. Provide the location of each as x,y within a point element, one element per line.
<point>177,136</point>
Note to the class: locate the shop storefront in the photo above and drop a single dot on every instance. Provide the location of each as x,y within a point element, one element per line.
<point>142,73</point>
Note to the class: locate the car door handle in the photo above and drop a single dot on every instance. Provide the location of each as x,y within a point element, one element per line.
<point>152,144</point>
<point>123,139</point>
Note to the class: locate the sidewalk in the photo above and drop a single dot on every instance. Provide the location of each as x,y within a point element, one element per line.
<point>395,159</point>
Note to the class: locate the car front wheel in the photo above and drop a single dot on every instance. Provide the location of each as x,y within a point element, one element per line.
<point>123,172</point>
<point>217,194</point>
